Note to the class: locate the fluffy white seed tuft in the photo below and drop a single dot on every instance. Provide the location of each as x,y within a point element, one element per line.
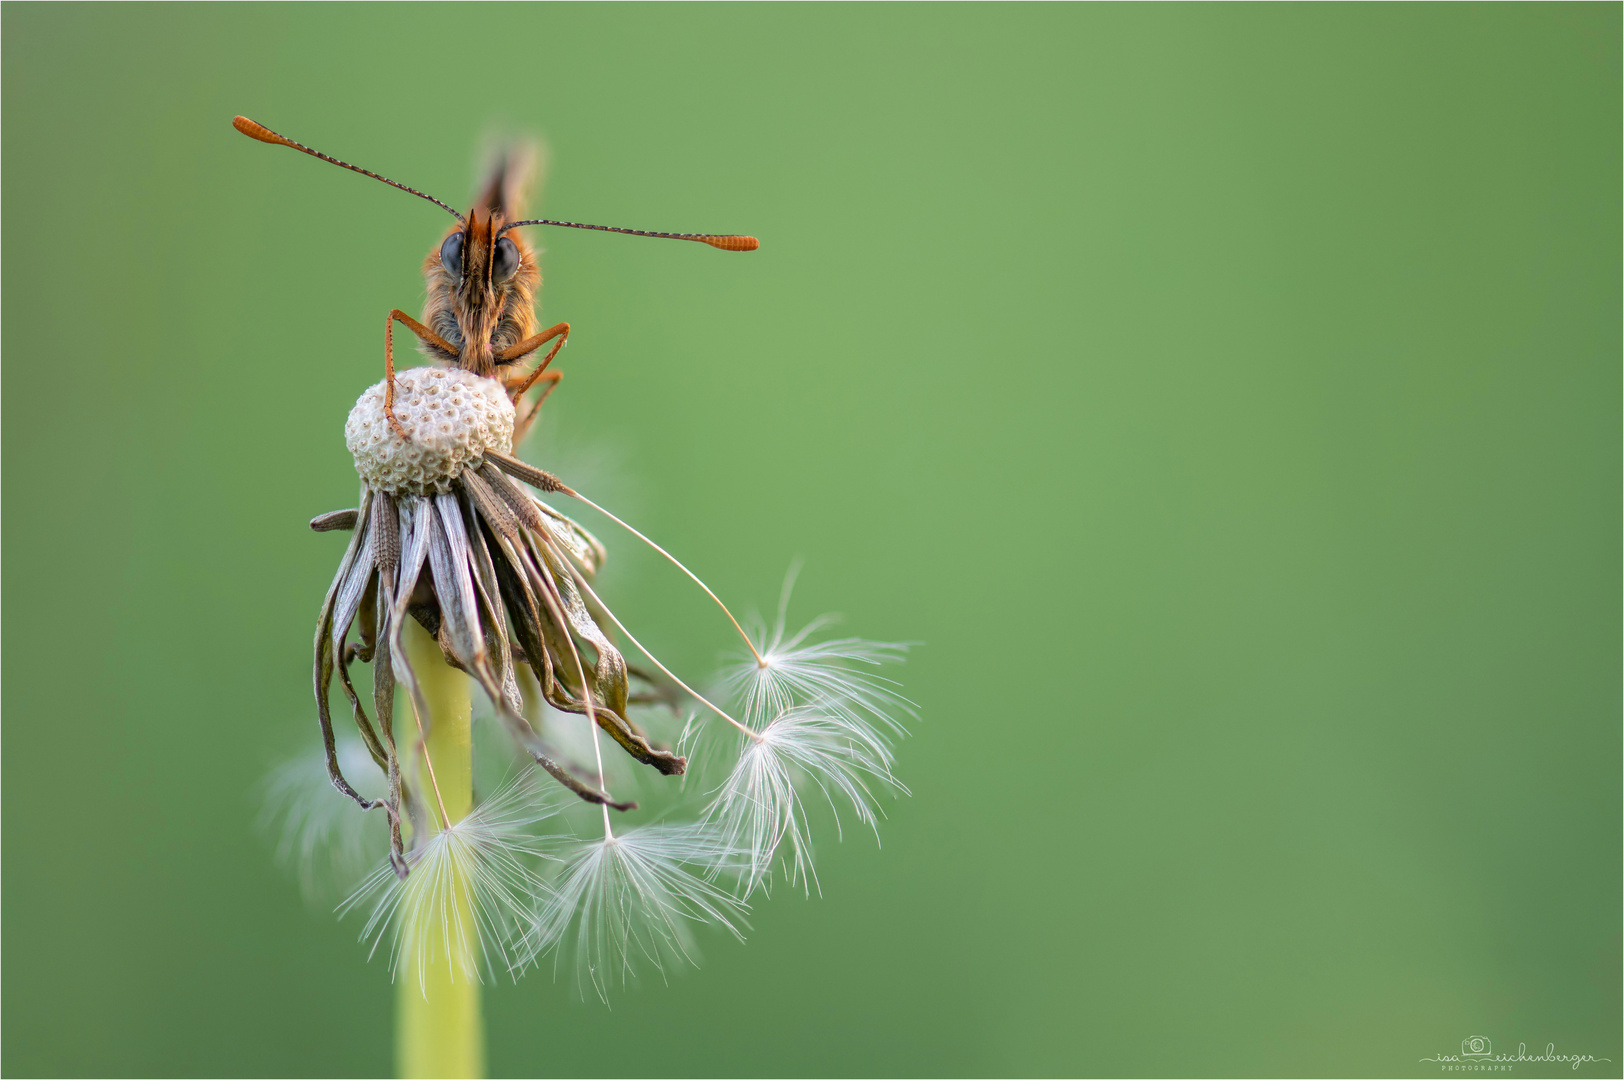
<point>837,675</point>
<point>758,807</point>
<point>628,899</point>
<point>822,716</point>
<point>319,836</point>
<point>470,898</point>
<point>452,417</point>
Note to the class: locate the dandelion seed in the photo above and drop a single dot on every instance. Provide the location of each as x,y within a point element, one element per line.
<point>759,808</point>
<point>817,717</point>
<point>319,838</point>
<point>785,671</point>
<point>469,899</point>
<point>624,901</point>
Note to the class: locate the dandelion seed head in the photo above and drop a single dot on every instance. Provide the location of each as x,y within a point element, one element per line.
<point>452,417</point>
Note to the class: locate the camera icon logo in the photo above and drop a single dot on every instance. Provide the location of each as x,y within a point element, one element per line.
<point>1475,1046</point>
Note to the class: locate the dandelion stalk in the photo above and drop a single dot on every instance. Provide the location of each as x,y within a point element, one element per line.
<point>438,1027</point>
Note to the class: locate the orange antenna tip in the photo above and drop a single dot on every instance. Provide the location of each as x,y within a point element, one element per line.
<point>258,131</point>
<point>732,243</point>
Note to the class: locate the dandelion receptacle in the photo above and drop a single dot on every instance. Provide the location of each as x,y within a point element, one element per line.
<point>469,594</point>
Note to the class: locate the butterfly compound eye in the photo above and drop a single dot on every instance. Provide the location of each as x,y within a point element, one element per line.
<point>451,254</point>
<point>506,261</point>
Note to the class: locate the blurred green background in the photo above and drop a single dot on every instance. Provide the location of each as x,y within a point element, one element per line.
<point>1227,396</point>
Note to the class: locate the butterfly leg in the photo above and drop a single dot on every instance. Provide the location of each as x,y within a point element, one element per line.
<point>517,387</point>
<point>396,315</point>
<point>522,425</point>
<point>529,345</point>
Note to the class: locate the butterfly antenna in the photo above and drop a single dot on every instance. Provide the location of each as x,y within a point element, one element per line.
<point>715,240</point>
<point>264,134</point>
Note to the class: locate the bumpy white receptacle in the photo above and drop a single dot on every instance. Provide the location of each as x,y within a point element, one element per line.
<point>452,418</point>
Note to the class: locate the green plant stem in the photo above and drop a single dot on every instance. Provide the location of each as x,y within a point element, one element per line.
<point>439,1031</point>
